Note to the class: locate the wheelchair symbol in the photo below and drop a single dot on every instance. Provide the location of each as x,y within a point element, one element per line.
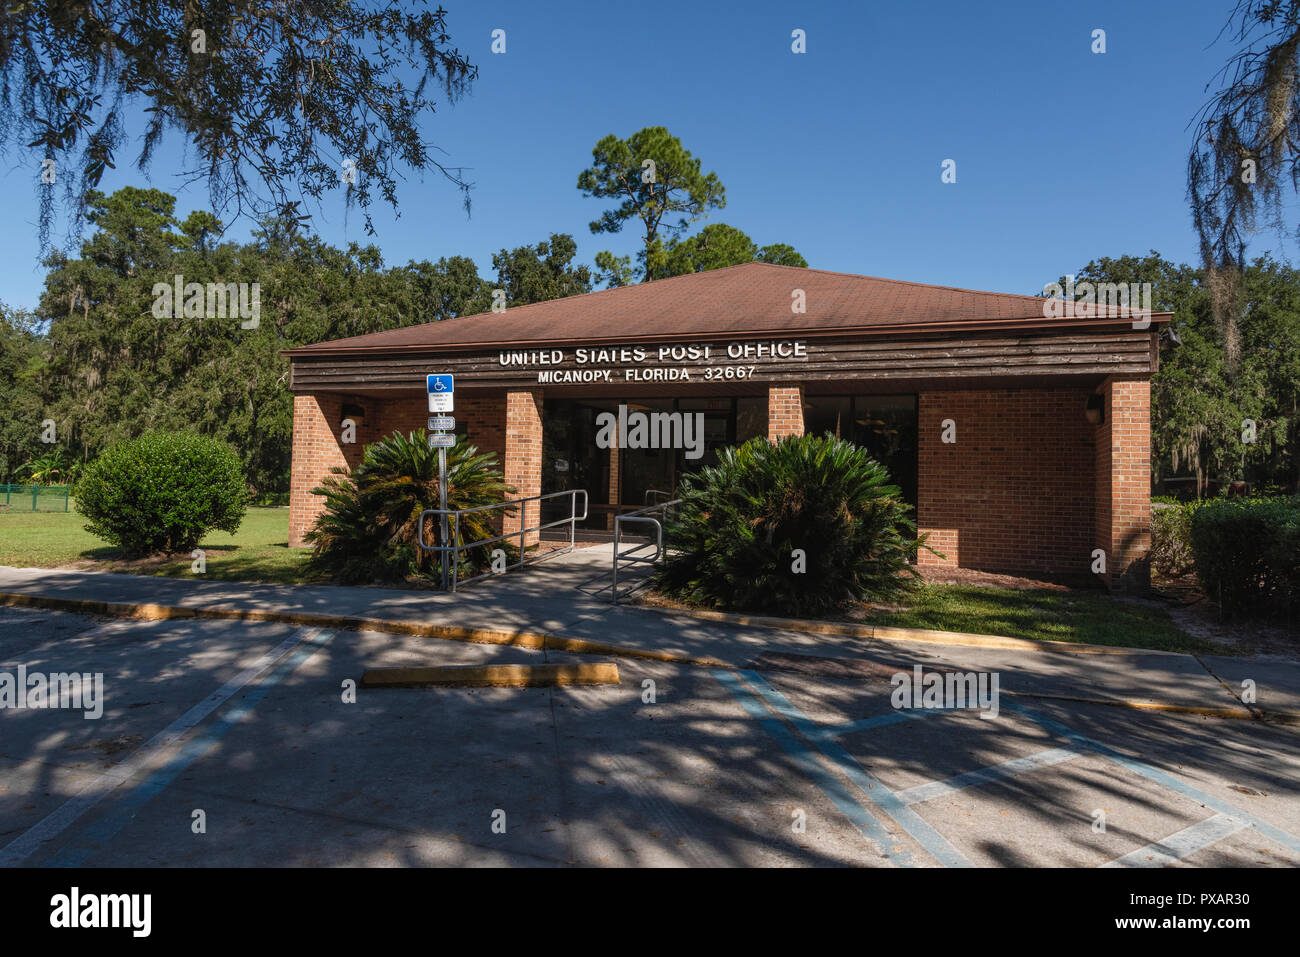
<point>438,386</point>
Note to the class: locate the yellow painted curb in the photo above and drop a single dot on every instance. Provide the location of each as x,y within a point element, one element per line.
<point>493,676</point>
<point>149,612</point>
<point>523,639</point>
<point>1241,713</point>
<point>885,633</point>
<point>484,636</point>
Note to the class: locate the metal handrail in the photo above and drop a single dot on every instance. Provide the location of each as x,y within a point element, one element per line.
<point>655,491</point>
<point>628,556</point>
<point>456,547</point>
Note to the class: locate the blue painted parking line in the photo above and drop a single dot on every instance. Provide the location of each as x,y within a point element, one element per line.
<point>996,772</point>
<point>839,795</point>
<point>1285,838</point>
<point>879,721</point>
<point>1228,820</point>
<point>101,786</point>
<point>123,812</point>
<point>869,784</point>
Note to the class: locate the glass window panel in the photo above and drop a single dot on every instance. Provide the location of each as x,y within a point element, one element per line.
<point>828,413</point>
<point>886,425</point>
<point>751,418</point>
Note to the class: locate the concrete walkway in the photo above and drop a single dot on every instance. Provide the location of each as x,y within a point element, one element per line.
<point>563,603</point>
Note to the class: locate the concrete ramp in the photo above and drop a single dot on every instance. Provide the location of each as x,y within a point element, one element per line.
<point>586,574</point>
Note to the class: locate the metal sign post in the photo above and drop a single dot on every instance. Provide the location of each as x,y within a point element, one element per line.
<point>442,519</point>
<point>442,398</point>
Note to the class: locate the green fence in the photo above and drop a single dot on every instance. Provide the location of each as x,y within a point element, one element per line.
<point>35,498</point>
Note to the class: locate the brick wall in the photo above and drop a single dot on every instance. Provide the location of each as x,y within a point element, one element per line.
<point>1015,492</point>
<point>484,418</point>
<point>784,411</point>
<point>523,454</point>
<point>1123,484</point>
<point>1029,486</point>
<point>318,446</point>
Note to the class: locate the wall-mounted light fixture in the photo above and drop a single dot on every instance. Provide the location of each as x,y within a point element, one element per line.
<point>1096,410</point>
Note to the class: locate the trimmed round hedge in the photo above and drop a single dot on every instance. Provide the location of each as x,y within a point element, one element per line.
<point>806,526</point>
<point>163,492</point>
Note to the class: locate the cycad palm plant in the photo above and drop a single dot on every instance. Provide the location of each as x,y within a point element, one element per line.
<point>369,528</point>
<point>801,527</point>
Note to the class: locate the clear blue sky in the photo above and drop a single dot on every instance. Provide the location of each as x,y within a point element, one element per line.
<point>1062,155</point>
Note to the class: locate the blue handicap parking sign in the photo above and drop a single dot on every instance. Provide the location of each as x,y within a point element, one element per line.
<point>443,384</point>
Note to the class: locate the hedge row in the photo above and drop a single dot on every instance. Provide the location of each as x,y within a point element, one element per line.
<point>1247,553</point>
<point>1171,537</point>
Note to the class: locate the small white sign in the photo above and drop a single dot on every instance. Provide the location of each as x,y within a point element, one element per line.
<point>441,440</point>
<point>442,392</point>
<point>442,423</point>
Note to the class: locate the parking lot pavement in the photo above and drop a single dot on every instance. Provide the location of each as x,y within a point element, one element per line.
<point>562,604</point>
<point>1274,681</point>
<point>225,743</point>
<point>1056,784</point>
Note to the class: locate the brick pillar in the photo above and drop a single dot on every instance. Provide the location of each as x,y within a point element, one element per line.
<point>1123,492</point>
<point>523,455</point>
<point>938,502</point>
<point>784,411</point>
<point>317,448</point>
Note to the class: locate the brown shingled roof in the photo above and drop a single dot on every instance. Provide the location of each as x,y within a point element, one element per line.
<point>752,299</point>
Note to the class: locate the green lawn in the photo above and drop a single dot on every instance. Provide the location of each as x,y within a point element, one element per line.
<point>1085,617</point>
<point>259,551</point>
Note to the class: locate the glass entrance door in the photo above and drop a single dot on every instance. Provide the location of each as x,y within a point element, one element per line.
<point>571,459</point>
<point>646,470</point>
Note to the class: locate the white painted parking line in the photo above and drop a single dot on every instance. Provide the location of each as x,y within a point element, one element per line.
<point>1183,844</point>
<point>996,772</point>
<point>1163,778</point>
<point>897,805</point>
<point>149,754</point>
<point>83,846</point>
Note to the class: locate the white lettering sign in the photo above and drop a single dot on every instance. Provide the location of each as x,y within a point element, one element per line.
<point>635,355</point>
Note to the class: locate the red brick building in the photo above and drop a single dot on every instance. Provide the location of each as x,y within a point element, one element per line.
<point>1022,438</point>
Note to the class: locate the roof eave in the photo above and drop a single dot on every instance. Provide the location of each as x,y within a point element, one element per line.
<point>873,331</point>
